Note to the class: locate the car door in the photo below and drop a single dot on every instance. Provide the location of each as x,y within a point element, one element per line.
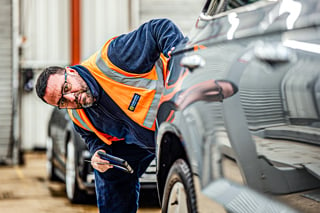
<point>278,83</point>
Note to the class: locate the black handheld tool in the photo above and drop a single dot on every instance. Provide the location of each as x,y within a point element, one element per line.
<point>118,163</point>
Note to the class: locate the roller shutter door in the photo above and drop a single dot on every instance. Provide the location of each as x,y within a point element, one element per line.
<point>6,91</point>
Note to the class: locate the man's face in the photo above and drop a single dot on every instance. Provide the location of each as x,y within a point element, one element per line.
<point>68,91</point>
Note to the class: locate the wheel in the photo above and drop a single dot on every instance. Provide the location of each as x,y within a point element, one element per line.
<point>74,193</point>
<point>50,165</point>
<point>179,193</point>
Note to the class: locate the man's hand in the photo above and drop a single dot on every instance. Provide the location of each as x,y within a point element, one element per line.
<point>169,53</point>
<point>98,163</point>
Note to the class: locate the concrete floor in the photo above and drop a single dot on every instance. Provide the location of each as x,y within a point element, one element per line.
<point>27,189</point>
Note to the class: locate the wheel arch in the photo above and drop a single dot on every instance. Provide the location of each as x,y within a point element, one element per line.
<point>169,140</point>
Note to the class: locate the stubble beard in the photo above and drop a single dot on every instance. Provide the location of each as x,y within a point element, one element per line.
<point>87,98</point>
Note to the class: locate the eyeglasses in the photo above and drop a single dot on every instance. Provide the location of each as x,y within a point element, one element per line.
<point>66,87</point>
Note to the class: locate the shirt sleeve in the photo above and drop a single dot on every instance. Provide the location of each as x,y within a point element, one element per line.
<point>138,50</point>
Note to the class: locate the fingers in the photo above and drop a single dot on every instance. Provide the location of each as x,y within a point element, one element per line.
<point>169,53</point>
<point>98,163</point>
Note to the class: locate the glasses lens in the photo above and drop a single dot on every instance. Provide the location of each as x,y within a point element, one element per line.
<point>62,103</point>
<point>66,88</point>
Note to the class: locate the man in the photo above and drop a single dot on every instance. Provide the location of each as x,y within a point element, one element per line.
<point>112,99</point>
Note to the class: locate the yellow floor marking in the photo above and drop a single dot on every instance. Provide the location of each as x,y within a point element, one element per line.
<point>19,172</point>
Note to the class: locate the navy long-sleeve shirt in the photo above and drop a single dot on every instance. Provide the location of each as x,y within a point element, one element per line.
<point>134,52</point>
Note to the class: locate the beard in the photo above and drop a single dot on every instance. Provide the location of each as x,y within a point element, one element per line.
<point>84,99</point>
<point>87,100</point>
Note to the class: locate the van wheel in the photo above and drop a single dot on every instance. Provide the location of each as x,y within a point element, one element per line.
<point>179,193</point>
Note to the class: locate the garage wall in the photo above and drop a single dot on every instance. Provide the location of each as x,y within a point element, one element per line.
<point>45,27</point>
<point>100,21</point>
<point>46,41</point>
<point>182,12</point>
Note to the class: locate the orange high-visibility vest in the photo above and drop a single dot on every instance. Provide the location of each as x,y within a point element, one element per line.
<point>138,95</point>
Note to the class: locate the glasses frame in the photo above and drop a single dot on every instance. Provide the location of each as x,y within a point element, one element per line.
<point>63,92</point>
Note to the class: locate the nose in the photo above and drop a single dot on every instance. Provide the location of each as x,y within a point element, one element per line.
<point>70,97</point>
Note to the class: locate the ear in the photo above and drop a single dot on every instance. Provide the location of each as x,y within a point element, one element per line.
<point>71,71</point>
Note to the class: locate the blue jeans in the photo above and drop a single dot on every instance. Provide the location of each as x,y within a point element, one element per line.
<point>116,190</point>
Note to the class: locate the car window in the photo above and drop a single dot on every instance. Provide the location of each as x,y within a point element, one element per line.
<point>213,7</point>
<point>239,3</point>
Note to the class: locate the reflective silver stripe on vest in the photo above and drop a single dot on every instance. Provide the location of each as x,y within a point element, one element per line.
<point>77,116</point>
<point>144,83</point>
<point>152,113</point>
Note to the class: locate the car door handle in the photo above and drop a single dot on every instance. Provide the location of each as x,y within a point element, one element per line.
<point>192,62</point>
<point>273,53</point>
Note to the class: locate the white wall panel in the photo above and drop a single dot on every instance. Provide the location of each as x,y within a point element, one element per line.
<point>182,12</point>
<point>34,124</point>
<point>45,25</point>
<point>102,20</point>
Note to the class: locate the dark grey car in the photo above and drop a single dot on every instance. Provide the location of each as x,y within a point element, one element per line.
<point>269,129</point>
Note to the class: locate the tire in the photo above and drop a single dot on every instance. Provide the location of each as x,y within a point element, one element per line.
<point>74,193</point>
<point>50,165</point>
<point>179,193</point>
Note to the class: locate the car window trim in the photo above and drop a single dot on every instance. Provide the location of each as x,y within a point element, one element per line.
<point>245,8</point>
